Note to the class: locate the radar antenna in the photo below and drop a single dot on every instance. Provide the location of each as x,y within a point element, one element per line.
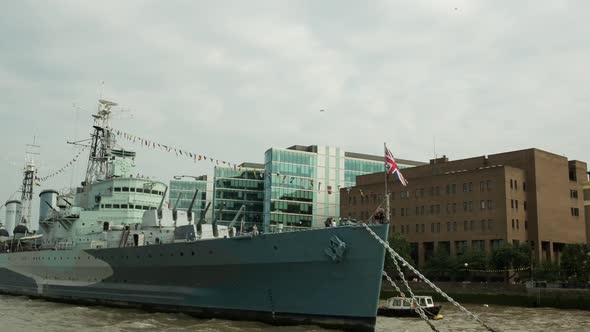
<point>102,142</point>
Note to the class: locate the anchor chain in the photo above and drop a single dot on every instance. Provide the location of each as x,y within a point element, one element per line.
<point>395,256</point>
<point>415,301</point>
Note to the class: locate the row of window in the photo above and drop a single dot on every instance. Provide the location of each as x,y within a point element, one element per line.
<point>514,204</point>
<point>574,194</point>
<point>452,226</point>
<point>514,185</point>
<point>451,208</point>
<point>516,224</point>
<point>127,206</point>
<point>450,189</point>
<point>575,212</point>
<point>138,190</point>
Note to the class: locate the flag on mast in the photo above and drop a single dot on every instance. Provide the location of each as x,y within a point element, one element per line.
<point>391,167</point>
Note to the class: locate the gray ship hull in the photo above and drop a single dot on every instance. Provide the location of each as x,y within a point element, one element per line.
<point>283,278</point>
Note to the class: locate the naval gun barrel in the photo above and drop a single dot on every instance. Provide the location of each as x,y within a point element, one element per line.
<point>189,212</point>
<point>214,223</point>
<point>160,206</point>
<point>202,219</point>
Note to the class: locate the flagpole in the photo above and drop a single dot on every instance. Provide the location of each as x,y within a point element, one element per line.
<point>386,193</point>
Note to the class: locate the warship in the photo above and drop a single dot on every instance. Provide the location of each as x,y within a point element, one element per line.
<point>111,241</point>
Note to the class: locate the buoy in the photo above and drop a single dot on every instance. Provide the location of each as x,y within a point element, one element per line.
<point>439,316</point>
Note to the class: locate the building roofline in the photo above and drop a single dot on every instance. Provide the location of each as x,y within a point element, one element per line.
<point>381,158</point>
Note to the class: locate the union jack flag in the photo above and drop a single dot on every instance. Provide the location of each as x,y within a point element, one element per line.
<point>391,167</point>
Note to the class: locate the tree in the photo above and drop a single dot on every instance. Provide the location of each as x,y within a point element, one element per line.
<point>474,259</point>
<point>441,266</point>
<point>511,257</point>
<point>575,262</point>
<point>399,244</point>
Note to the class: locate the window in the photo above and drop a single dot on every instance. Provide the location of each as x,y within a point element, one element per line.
<point>448,226</point>
<point>526,224</point>
<point>108,206</point>
<point>464,206</point>
<point>489,184</point>
<point>448,207</point>
<point>524,205</point>
<point>431,228</point>
<point>470,186</point>
<point>471,225</point>
<point>117,189</point>
<point>482,204</point>
<point>116,206</point>
<point>574,194</point>
<point>132,190</point>
<point>470,206</point>
<point>438,227</point>
<point>516,204</point>
<point>482,186</point>
<point>454,207</point>
<point>511,184</point>
<point>515,185</point>
<point>422,210</point>
<point>454,226</point>
<point>512,223</point>
<point>575,212</point>
<point>123,206</point>
<point>512,203</point>
<point>464,187</point>
<point>490,224</point>
<point>483,225</point>
<point>453,188</point>
<point>403,212</point>
<point>125,189</point>
<point>417,210</point>
<point>465,226</point>
<point>448,189</point>
<point>417,228</point>
<point>517,224</point>
<point>490,205</point>
<point>524,186</point>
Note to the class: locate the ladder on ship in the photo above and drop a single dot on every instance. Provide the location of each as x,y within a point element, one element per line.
<point>124,237</point>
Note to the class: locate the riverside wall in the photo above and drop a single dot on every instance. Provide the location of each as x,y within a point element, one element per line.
<point>501,294</point>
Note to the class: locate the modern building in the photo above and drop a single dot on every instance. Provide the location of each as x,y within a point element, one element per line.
<point>182,189</point>
<point>237,187</point>
<point>303,183</point>
<point>482,202</point>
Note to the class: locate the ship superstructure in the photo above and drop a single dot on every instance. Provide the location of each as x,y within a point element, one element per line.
<point>112,241</point>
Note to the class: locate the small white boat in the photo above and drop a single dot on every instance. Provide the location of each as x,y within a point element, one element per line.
<point>406,307</point>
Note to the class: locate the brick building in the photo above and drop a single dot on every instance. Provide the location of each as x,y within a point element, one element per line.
<point>587,209</point>
<point>483,202</point>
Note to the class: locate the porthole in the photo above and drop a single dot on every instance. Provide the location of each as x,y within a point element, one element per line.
<point>181,254</point>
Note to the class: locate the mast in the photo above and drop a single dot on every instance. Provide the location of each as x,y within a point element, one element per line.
<point>28,185</point>
<point>102,142</point>
<point>386,193</point>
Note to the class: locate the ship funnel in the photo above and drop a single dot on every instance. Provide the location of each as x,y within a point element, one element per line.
<point>13,211</point>
<point>47,202</point>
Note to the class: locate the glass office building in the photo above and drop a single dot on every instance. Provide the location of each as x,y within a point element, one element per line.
<point>302,186</point>
<point>237,187</point>
<point>182,190</point>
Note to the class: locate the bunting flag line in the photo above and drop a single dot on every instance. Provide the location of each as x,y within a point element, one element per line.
<point>38,180</point>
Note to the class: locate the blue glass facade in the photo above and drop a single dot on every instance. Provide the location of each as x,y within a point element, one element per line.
<point>186,189</point>
<point>302,186</point>
<point>236,187</point>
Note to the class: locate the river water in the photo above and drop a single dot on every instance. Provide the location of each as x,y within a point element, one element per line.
<point>24,314</point>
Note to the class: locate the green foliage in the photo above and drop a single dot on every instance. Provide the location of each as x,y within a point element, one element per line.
<point>575,262</point>
<point>510,257</point>
<point>548,271</point>
<point>472,259</point>
<point>398,243</point>
<point>441,266</point>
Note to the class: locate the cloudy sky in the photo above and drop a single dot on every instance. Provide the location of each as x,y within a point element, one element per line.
<point>231,79</point>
